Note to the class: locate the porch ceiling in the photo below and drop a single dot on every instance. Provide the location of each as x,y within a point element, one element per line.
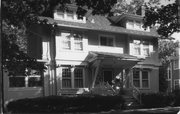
<point>113,60</point>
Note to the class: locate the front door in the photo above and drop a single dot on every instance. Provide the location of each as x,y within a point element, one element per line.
<point>107,76</point>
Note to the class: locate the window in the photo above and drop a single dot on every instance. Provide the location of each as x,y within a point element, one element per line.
<point>176,64</point>
<point>66,41</point>
<point>177,84</point>
<point>138,25</point>
<point>17,81</point>
<point>137,47</point>
<point>70,15</point>
<point>78,42</point>
<point>106,41</point>
<point>145,79</point>
<point>33,80</point>
<point>60,14</point>
<point>141,48</point>
<point>141,78</point>
<point>78,77</point>
<point>136,78</point>
<point>135,25</point>
<point>72,77</point>
<point>146,48</point>
<point>71,41</point>
<point>66,77</point>
<point>131,24</point>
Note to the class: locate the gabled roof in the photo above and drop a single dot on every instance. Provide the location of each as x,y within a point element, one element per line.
<point>101,23</point>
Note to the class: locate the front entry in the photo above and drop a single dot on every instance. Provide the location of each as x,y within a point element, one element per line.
<point>107,76</point>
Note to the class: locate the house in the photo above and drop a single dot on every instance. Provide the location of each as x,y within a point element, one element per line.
<point>81,53</point>
<point>174,68</point>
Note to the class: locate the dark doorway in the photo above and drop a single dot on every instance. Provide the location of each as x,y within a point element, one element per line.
<point>107,75</point>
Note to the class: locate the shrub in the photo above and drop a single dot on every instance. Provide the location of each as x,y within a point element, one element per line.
<point>59,104</point>
<point>152,100</point>
<point>176,94</point>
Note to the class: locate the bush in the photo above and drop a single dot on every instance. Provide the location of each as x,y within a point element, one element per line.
<point>153,100</point>
<point>176,94</point>
<point>59,104</point>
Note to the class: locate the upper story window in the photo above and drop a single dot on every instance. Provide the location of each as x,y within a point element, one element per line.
<point>66,41</point>
<point>106,41</point>
<point>176,64</point>
<point>68,16</point>
<point>135,25</point>
<point>72,41</point>
<point>137,47</point>
<point>141,48</point>
<point>146,50</point>
<point>78,42</point>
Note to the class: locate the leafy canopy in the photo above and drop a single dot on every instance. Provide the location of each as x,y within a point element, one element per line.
<point>165,18</point>
<point>18,15</point>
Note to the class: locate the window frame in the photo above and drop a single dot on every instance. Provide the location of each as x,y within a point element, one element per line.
<point>79,42</point>
<point>72,41</point>
<point>141,79</point>
<point>142,46</point>
<point>64,16</point>
<point>178,81</point>
<point>109,37</point>
<point>26,81</point>
<point>72,72</point>
<point>176,64</point>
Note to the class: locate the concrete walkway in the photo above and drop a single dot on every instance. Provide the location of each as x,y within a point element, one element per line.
<point>166,110</point>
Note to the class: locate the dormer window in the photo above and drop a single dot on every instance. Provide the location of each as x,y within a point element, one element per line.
<point>135,25</point>
<point>68,16</point>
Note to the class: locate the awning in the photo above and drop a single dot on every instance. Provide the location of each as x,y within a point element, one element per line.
<point>113,60</point>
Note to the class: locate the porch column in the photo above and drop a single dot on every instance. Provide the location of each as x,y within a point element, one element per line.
<point>96,72</point>
<point>127,71</point>
<point>53,84</point>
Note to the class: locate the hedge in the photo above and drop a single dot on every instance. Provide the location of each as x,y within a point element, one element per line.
<point>155,100</point>
<point>59,104</point>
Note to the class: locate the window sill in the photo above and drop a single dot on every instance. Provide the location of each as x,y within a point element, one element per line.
<point>24,88</point>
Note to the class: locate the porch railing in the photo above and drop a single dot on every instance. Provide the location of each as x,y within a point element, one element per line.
<point>136,93</point>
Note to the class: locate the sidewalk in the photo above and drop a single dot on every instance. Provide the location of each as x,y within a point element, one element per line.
<point>167,110</point>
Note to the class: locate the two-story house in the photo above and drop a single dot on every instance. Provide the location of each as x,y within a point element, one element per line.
<point>80,53</point>
<point>173,77</point>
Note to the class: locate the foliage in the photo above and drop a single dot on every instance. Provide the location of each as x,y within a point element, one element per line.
<point>18,15</point>
<point>134,7</point>
<point>151,100</point>
<point>167,49</point>
<point>155,100</point>
<point>61,104</point>
<point>164,18</point>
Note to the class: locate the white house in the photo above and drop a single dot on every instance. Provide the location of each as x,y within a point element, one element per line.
<point>81,53</point>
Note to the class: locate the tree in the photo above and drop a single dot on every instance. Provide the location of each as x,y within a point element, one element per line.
<point>133,7</point>
<point>165,18</point>
<point>20,14</point>
<point>167,49</point>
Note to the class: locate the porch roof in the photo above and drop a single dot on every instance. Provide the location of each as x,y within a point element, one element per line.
<point>113,59</point>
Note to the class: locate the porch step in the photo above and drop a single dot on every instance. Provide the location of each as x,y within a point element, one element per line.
<point>130,101</point>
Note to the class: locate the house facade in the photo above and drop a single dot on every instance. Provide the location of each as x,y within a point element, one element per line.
<point>174,67</point>
<point>82,53</point>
